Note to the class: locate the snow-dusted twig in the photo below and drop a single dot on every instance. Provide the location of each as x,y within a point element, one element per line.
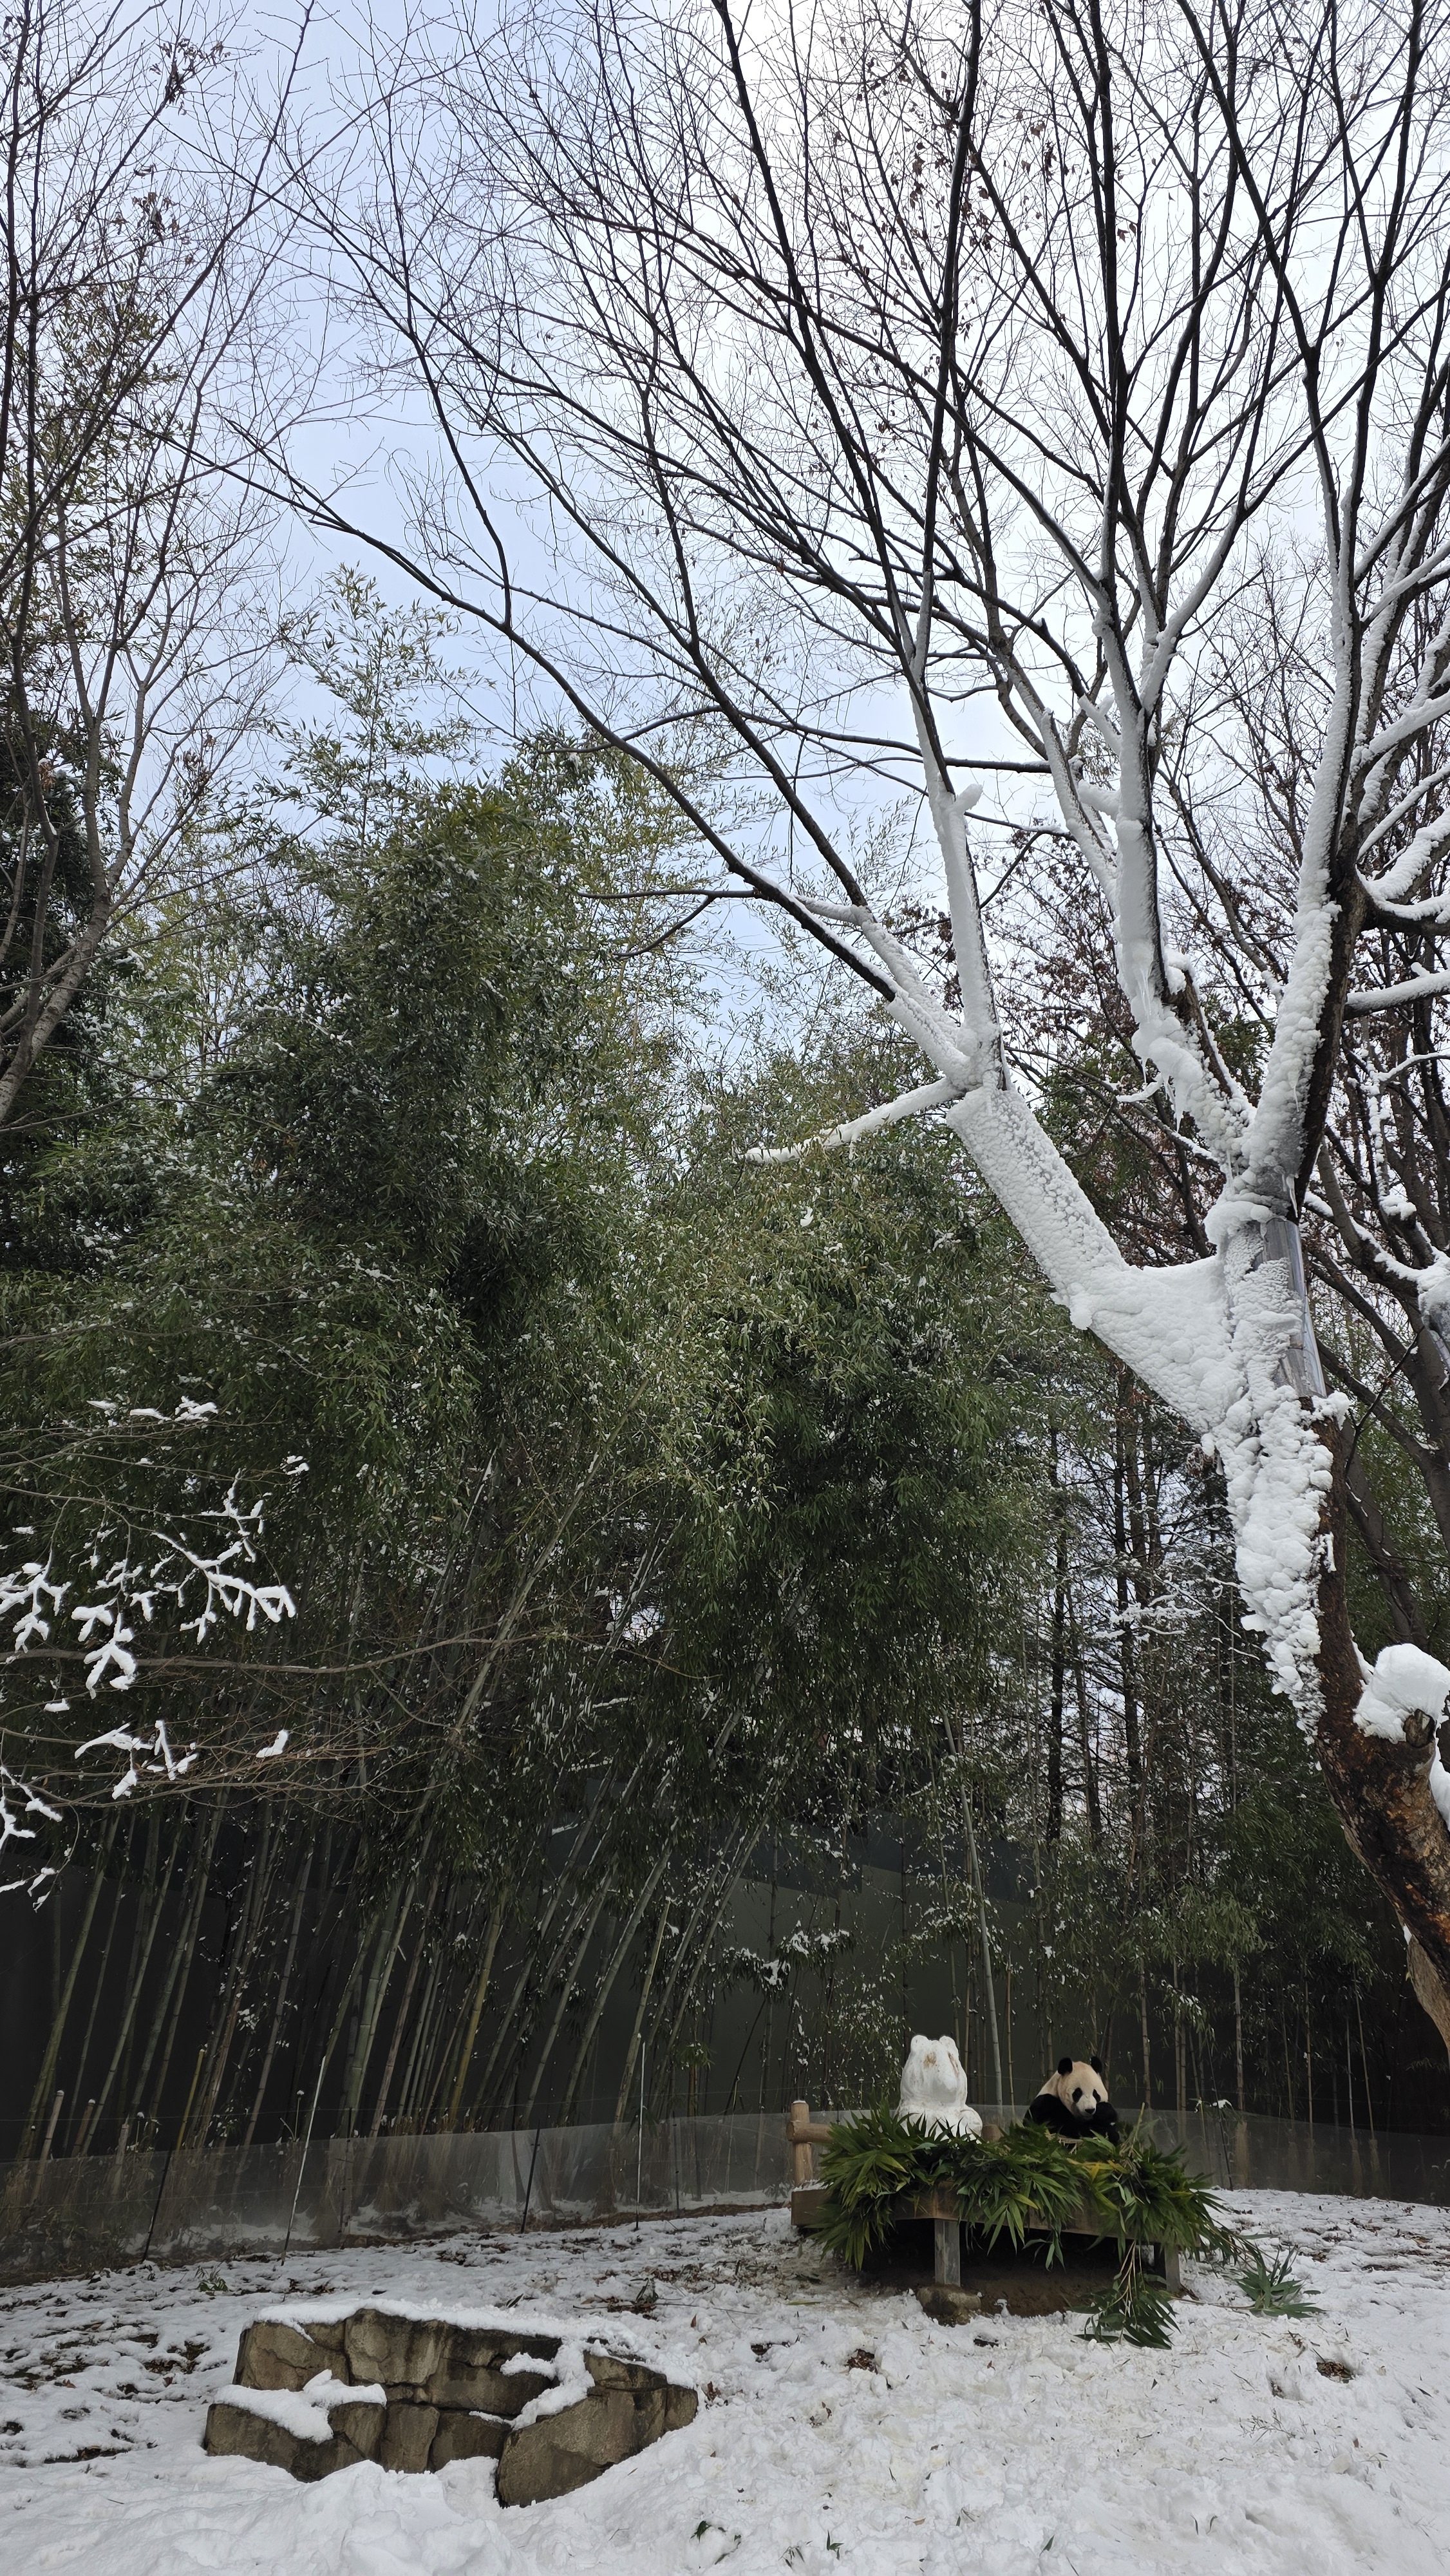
<point>18,1799</point>
<point>164,1575</point>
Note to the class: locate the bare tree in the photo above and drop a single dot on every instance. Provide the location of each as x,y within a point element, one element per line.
<point>134,174</point>
<point>927,397</point>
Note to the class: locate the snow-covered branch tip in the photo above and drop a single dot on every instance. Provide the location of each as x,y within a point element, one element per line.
<point>162,1577</point>
<point>158,1743</point>
<point>18,1799</point>
<point>125,1591</point>
<point>908,1104</point>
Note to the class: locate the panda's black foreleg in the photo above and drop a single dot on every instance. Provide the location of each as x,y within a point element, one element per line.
<point>1049,2113</point>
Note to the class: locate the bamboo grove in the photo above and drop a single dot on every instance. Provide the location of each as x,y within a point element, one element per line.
<point>637,1529</point>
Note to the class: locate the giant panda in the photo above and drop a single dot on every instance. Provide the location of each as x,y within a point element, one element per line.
<point>1074,2102</point>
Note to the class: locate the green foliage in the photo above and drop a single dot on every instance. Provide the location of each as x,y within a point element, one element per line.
<point>845,1496</point>
<point>1271,2288</point>
<point>348,1180</point>
<point>579,1450</point>
<point>1137,2309</point>
<point>1029,2177</point>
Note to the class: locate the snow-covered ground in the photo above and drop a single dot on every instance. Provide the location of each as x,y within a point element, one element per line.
<point>840,2431</point>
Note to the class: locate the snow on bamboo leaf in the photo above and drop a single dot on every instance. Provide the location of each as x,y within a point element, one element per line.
<point>25,1591</point>
<point>18,1799</point>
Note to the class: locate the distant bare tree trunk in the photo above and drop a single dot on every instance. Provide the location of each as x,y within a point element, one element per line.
<point>134,643</point>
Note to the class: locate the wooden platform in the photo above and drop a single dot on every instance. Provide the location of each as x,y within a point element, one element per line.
<point>940,2207</point>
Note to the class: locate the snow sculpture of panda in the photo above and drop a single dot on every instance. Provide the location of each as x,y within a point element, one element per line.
<point>1074,2101</point>
<point>934,2089</point>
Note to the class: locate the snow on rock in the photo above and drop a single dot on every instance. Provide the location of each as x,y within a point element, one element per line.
<point>572,2382</point>
<point>305,2412</point>
<point>841,2434</point>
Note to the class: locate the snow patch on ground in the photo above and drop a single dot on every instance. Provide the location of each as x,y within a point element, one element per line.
<point>841,2433</point>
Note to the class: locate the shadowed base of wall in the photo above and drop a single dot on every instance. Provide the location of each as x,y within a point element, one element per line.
<point>81,2213</point>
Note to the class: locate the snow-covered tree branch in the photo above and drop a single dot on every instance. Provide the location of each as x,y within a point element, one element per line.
<point>954,405</point>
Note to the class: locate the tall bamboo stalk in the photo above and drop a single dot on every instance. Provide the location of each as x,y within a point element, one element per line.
<point>565,1993</point>
<point>438,2055</point>
<point>44,2082</point>
<point>286,1978</point>
<point>415,2073</point>
<point>152,1909</point>
<point>400,2021</point>
<point>244,1943</point>
<point>497,1918</point>
<point>644,1994</point>
<point>390,1932</point>
<point>507,2028</point>
<point>517,2028</point>
<point>605,1989</point>
<point>179,1972</point>
<point>98,1985</point>
<point>703,1949</point>
<point>970,1834</point>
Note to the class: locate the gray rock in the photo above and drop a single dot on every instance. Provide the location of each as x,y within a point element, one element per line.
<point>682,2405</point>
<point>234,2432</point>
<point>273,2355</point>
<point>408,2436</point>
<point>465,2436</point>
<point>362,2427</point>
<point>494,2392</point>
<point>449,2398</point>
<point>399,2351</point>
<point>610,2370</point>
<point>470,2372</point>
<point>447,2365</point>
<point>949,2306</point>
<point>561,2452</point>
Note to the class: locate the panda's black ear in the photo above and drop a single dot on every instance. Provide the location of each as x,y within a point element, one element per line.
<point>1096,2064</point>
<point>1064,2066</point>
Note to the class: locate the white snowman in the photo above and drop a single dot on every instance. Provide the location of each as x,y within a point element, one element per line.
<point>934,2089</point>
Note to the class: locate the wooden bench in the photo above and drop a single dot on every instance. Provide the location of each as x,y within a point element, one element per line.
<point>804,2135</point>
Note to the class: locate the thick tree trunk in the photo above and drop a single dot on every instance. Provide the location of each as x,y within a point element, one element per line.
<point>1431,1990</point>
<point>1381,1789</point>
<point>1059,1649</point>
